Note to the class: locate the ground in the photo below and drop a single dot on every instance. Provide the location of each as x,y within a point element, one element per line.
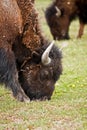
<point>67,109</point>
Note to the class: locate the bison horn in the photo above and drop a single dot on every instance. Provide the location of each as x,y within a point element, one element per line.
<point>58,11</point>
<point>45,56</point>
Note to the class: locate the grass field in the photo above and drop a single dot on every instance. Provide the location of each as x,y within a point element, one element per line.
<point>67,109</point>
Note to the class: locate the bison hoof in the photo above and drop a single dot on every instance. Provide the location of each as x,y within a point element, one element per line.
<point>22,98</point>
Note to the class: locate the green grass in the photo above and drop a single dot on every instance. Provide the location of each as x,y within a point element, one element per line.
<point>67,109</point>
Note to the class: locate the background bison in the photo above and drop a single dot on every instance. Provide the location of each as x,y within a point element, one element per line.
<point>38,61</point>
<point>60,14</point>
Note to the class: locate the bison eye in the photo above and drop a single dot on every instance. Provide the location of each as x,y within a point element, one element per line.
<point>44,75</point>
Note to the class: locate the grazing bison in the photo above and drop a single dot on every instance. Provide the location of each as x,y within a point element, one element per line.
<point>61,13</point>
<point>10,27</point>
<point>38,62</point>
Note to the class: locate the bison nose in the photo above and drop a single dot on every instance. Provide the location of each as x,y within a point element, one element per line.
<point>63,33</point>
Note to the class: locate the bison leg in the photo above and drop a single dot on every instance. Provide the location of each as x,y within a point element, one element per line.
<point>9,74</point>
<point>81,30</point>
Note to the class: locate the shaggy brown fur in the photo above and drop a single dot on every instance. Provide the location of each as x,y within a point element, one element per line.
<point>31,32</point>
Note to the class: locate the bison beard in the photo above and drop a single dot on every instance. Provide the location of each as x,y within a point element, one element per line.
<point>36,78</point>
<point>70,9</point>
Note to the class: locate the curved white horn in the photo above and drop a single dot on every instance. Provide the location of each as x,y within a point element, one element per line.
<point>45,56</point>
<point>58,11</point>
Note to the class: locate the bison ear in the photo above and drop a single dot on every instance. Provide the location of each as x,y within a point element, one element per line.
<point>35,57</point>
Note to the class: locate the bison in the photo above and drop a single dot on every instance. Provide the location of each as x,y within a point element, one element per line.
<point>10,28</point>
<point>29,64</point>
<point>61,13</point>
<point>38,62</point>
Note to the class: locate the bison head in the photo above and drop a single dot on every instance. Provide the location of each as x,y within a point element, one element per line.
<point>59,16</point>
<point>39,74</point>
